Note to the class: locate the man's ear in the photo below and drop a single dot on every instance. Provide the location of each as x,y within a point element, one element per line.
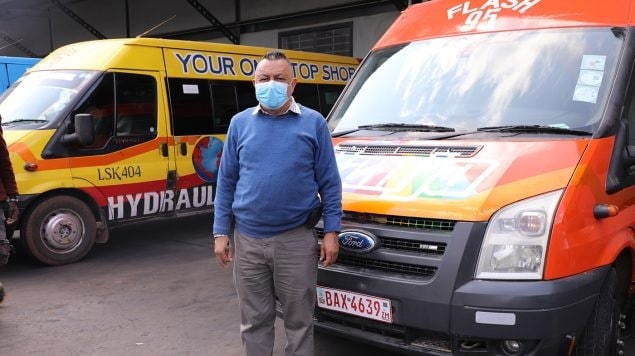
<point>294,81</point>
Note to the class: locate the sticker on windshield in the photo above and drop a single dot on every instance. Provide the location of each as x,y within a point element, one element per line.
<point>593,62</point>
<point>586,93</point>
<point>590,78</point>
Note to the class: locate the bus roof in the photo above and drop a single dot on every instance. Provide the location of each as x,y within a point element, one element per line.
<point>440,18</point>
<point>98,54</point>
<point>192,59</point>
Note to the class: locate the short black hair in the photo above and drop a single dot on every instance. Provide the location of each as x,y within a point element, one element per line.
<point>275,55</point>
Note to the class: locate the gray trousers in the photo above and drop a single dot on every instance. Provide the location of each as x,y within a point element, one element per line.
<point>284,266</point>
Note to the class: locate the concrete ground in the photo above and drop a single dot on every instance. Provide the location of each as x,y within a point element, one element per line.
<point>154,289</point>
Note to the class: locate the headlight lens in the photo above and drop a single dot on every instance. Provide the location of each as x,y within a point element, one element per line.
<point>516,239</point>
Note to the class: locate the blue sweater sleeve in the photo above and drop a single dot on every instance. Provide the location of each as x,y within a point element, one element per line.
<point>328,179</point>
<point>226,185</point>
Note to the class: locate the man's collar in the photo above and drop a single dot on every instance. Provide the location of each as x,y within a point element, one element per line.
<point>294,107</point>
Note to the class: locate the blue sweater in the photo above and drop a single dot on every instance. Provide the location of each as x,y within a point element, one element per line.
<point>272,170</point>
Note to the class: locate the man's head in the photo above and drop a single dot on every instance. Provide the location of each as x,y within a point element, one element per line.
<point>274,81</point>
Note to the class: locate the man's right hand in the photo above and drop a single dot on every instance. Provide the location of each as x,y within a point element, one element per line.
<point>13,213</point>
<point>223,250</point>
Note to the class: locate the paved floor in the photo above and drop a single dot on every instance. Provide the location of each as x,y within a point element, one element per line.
<point>154,289</point>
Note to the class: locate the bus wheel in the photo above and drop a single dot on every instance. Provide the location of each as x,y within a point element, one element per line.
<point>59,230</point>
<point>601,336</point>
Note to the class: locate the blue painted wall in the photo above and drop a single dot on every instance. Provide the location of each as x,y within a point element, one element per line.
<point>12,68</point>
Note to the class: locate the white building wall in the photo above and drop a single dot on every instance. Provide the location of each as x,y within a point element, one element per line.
<point>366,32</point>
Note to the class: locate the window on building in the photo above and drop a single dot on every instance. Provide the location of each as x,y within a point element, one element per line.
<point>335,39</point>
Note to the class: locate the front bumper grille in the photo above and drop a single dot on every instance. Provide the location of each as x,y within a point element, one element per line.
<point>400,221</point>
<point>409,248</point>
<point>407,339</point>
<point>386,266</point>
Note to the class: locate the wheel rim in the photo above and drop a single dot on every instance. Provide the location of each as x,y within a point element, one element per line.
<point>62,231</point>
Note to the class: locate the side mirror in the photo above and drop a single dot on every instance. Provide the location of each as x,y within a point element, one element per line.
<point>84,132</point>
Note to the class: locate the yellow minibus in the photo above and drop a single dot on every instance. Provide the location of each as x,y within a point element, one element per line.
<point>107,132</point>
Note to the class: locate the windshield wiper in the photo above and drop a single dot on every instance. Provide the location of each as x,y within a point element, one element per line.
<point>396,127</point>
<point>433,128</point>
<point>406,127</point>
<point>343,133</point>
<point>534,129</point>
<point>19,121</point>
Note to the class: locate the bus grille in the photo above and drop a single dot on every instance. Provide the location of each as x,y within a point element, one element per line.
<point>410,150</point>
<point>432,248</point>
<point>423,247</point>
<point>386,266</point>
<point>414,223</point>
<point>408,248</point>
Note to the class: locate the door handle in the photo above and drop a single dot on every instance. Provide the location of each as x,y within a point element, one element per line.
<point>183,149</point>
<point>170,182</point>
<point>164,149</point>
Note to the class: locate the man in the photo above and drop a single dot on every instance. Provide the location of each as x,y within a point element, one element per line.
<point>9,201</point>
<point>277,169</point>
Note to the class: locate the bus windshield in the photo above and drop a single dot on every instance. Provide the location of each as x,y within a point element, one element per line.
<point>555,77</point>
<point>41,97</point>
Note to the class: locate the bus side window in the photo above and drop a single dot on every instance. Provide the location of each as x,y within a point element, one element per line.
<point>99,104</point>
<point>225,104</point>
<point>329,94</point>
<point>191,106</point>
<point>246,95</point>
<point>136,109</point>
<point>307,95</point>
<point>320,97</point>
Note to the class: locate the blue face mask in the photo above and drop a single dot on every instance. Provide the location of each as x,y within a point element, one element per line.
<point>272,94</point>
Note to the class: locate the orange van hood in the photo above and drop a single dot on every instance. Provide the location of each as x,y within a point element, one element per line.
<point>461,180</point>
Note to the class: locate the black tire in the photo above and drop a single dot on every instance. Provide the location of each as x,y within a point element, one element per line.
<point>602,332</point>
<point>59,230</point>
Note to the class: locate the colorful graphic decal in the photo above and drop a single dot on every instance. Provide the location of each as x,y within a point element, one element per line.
<point>404,178</point>
<point>206,158</point>
<point>483,14</point>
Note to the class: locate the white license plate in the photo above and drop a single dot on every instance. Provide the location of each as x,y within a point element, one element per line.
<point>357,304</point>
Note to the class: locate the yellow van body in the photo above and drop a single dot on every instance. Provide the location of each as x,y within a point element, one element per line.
<point>105,132</point>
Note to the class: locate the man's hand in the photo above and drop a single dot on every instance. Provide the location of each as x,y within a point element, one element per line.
<point>13,213</point>
<point>329,249</point>
<point>223,250</point>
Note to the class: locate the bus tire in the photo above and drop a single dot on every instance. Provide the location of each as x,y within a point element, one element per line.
<point>601,334</point>
<point>59,230</point>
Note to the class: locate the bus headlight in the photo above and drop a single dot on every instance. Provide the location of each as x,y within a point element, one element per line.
<point>516,239</point>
